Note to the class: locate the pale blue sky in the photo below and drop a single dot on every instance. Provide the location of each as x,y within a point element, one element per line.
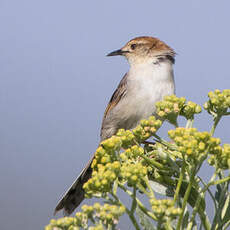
<point>55,82</point>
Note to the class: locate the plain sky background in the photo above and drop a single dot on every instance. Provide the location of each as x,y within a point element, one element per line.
<point>55,82</point>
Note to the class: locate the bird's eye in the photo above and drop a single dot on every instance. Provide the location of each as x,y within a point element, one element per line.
<point>133,46</point>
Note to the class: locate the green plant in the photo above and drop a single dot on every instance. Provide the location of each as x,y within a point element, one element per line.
<point>128,162</point>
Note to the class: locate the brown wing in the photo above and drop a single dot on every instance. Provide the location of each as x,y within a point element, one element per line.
<point>76,194</point>
<point>117,95</point>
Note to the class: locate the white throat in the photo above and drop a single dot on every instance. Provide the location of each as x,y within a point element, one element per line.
<point>152,76</point>
<point>148,83</point>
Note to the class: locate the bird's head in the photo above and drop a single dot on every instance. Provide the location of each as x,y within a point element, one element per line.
<point>143,49</point>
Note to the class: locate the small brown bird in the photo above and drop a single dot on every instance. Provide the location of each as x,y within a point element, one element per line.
<point>149,79</point>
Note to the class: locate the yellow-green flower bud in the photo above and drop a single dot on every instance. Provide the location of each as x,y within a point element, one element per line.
<point>219,102</point>
<point>192,143</point>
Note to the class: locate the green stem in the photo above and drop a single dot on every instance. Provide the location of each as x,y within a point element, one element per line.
<point>186,196</point>
<point>168,225</point>
<point>227,225</point>
<point>134,221</point>
<point>129,212</point>
<point>140,205</point>
<point>189,123</point>
<point>115,186</point>
<point>216,121</point>
<point>179,183</point>
<point>196,207</point>
<point>217,217</point>
<point>109,227</point>
<point>210,193</point>
<point>142,188</point>
<point>152,162</point>
<point>167,144</point>
<point>221,180</point>
<point>205,220</point>
<point>149,187</point>
<point>134,203</point>
<point>221,202</point>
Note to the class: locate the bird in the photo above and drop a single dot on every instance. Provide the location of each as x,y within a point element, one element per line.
<point>149,79</point>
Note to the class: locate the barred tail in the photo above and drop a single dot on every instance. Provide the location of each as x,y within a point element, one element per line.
<point>75,194</point>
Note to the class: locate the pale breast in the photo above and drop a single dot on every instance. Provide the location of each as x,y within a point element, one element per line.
<point>145,86</point>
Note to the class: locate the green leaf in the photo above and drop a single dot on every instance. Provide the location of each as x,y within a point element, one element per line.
<point>218,192</point>
<point>185,220</point>
<point>225,214</point>
<point>194,194</point>
<point>144,220</point>
<point>161,189</point>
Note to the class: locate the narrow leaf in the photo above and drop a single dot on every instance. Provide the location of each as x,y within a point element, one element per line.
<point>144,220</point>
<point>161,189</point>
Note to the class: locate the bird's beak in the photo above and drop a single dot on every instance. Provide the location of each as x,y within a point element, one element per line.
<point>117,52</point>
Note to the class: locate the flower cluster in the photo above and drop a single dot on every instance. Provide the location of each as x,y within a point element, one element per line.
<point>108,214</point>
<point>164,209</point>
<point>109,148</point>
<point>190,109</point>
<point>98,226</point>
<point>194,144</point>
<point>63,223</point>
<point>102,179</point>
<point>112,144</point>
<point>108,159</point>
<point>219,102</point>
<point>133,173</point>
<point>127,138</point>
<point>102,215</point>
<point>132,153</point>
<point>146,128</point>
<point>171,107</point>
<point>127,159</point>
<point>107,151</point>
<point>221,159</point>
